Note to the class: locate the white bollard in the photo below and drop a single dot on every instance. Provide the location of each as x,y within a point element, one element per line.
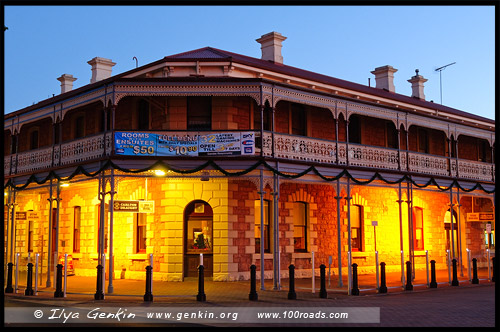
<point>427,266</point>
<point>65,273</point>
<point>349,273</point>
<point>151,263</point>
<point>329,266</point>
<point>103,272</point>
<point>403,269</point>
<point>17,272</point>
<point>489,261</point>
<point>376,270</point>
<point>468,264</point>
<point>449,265</point>
<point>312,263</point>
<point>201,259</point>
<point>36,274</point>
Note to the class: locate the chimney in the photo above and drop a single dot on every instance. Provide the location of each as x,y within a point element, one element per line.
<point>271,46</point>
<point>384,78</point>
<point>417,85</point>
<point>66,82</point>
<point>101,68</point>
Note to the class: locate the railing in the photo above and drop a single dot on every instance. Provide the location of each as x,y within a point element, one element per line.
<point>88,148</point>
<point>290,147</point>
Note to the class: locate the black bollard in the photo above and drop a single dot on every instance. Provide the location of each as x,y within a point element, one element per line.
<point>201,297</point>
<point>291,279</point>
<point>454,282</point>
<point>493,265</point>
<point>99,294</point>
<point>355,289</point>
<point>409,286</point>
<point>9,288</point>
<point>383,286</point>
<point>148,296</point>
<point>433,283</point>
<point>322,291</point>
<point>59,292</point>
<point>474,280</point>
<point>29,280</point>
<point>253,281</point>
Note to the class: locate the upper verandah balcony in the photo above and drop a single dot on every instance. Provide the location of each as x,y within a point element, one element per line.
<point>301,133</point>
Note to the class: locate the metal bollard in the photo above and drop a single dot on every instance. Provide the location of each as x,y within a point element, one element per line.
<point>148,296</point>
<point>99,294</point>
<point>475,280</point>
<point>29,280</point>
<point>253,284</point>
<point>201,297</point>
<point>59,292</point>
<point>433,283</point>
<point>493,265</point>
<point>383,286</point>
<point>454,282</point>
<point>355,289</point>
<point>9,288</point>
<point>408,286</point>
<point>291,279</point>
<point>322,272</point>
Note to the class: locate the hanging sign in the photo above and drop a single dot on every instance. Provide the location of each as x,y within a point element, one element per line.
<point>134,206</point>
<point>481,216</point>
<point>184,143</point>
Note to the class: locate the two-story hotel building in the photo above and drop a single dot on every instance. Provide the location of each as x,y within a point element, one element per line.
<point>246,161</point>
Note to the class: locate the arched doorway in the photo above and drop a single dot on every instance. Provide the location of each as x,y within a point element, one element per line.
<point>198,238</point>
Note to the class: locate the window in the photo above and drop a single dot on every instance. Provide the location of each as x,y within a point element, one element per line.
<point>199,113</point>
<point>266,226</point>
<point>98,237</point>
<point>356,228</point>
<point>267,118</point>
<point>34,142</point>
<point>30,234</point>
<point>13,144</point>
<point>354,129</point>
<point>143,115</point>
<point>299,120</point>
<point>80,126</point>
<point>418,228</point>
<point>300,226</point>
<point>140,233</point>
<point>392,135</point>
<point>77,215</point>
<point>423,140</point>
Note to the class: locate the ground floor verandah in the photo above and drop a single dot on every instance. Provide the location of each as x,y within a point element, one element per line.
<point>168,220</point>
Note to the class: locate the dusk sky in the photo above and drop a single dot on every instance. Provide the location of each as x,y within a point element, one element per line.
<point>346,42</point>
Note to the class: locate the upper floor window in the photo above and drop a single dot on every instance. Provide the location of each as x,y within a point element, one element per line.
<point>199,113</point>
<point>299,120</point>
<point>300,226</point>
<point>266,120</point>
<point>422,140</point>
<point>354,129</point>
<point>265,225</point>
<point>79,126</point>
<point>13,144</point>
<point>357,228</point>
<point>34,139</point>
<point>143,115</point>
<point>392,135</point>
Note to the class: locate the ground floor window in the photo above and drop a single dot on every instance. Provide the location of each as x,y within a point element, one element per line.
<point>356,228</point>
<point>418,228</point>
<point>265,225</point>
<point>140,232</point>
<point>300,226</point>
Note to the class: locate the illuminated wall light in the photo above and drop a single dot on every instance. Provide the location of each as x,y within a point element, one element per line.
<point>64,184</point>
<point>159,172</point>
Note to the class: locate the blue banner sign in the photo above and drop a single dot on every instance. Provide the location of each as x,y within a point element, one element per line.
<point>184,143</point>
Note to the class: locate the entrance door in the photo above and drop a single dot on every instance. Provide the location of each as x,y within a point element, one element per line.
<point>198,238</point>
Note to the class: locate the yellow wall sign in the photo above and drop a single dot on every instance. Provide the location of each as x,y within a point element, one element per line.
<point>134,206</point>
<point>481,216</point>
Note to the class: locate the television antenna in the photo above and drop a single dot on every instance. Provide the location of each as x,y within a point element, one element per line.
<point>440,69</point>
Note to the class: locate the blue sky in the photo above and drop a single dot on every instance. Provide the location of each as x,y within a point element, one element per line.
<point>347,42</point>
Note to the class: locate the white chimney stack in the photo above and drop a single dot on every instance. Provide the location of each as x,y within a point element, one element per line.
<point>66,82</point>
<point>271,46</point>
<point>101,68</point>
<point>417,85</point>
<point>384,78</point>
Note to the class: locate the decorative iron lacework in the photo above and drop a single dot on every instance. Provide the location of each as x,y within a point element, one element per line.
<point>312,169</point>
